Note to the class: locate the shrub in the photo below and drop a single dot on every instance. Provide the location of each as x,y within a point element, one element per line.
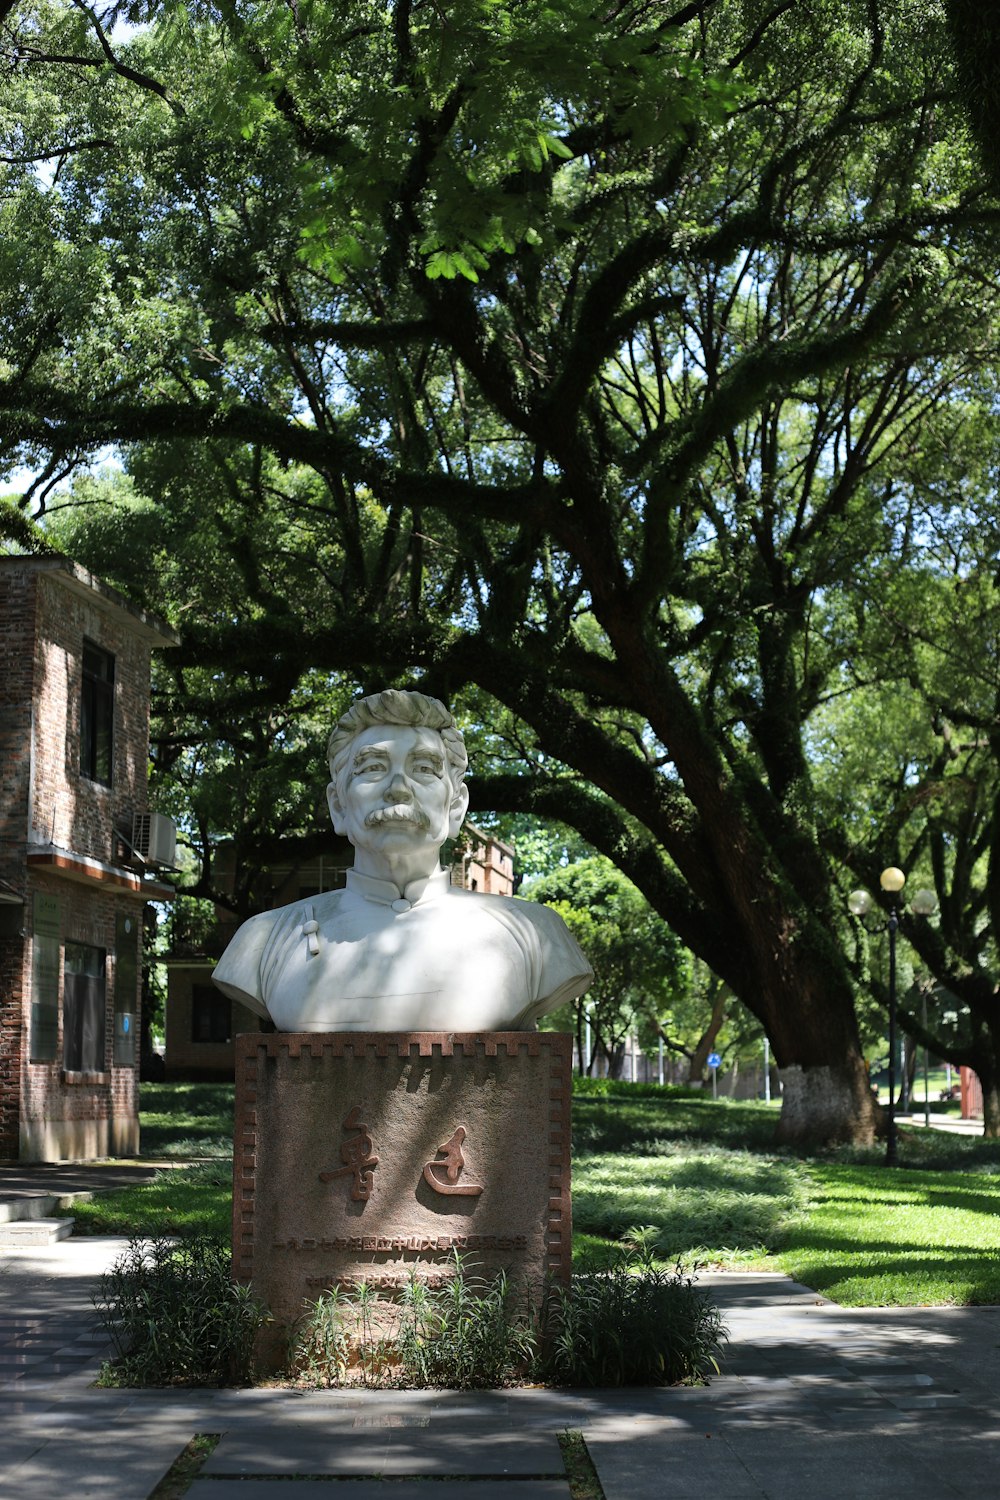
<point>631,1324</point>
<point>468,1334</point>
<point>176,1317</point>
<point>319,1349</point>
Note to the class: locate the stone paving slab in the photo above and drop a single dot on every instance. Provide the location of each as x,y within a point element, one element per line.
<point>295,1448</point>
<point>99,1464</point>
<point>35,1230</point>
<point>374,1489</point>
<point>815,1401</point>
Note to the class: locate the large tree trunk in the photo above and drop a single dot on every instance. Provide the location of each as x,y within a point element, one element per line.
<point>828,1104</point>
<point>826,1092</point>
<point>991,1109</point>
<point>986,1062</point>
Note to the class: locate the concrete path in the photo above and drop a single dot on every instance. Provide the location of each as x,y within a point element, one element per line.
<point>814,1401</point>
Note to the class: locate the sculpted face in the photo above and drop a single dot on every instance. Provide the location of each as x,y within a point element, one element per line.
<point>395,794</point>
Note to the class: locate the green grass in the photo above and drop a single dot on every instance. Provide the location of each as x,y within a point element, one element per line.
<point>706,1203</point>
<point>708,1178</point>
<point>180,1201</point>
<point>187,1119</point>
<point>874,1237</point>
<point>704,1174</point>
<point>190,1124</point>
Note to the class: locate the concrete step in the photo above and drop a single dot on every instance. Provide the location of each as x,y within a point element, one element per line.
<point>36,1231</point>
<point>38,1206</point>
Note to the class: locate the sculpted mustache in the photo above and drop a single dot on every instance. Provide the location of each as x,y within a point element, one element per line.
<point>404,813</point>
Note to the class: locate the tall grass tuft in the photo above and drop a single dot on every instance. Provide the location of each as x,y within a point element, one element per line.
<point>471,1333</point>
<point>633,1323</point>
<point>176,1317</point>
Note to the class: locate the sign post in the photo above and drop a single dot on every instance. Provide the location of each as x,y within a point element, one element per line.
<point>714,1060</point>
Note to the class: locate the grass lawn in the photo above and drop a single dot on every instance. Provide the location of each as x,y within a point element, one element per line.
<point>179,1122</point>
<point>187,1120</point>
<point>875,1238</point>
<point>704,1174</point>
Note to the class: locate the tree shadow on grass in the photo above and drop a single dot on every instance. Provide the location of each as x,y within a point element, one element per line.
<point>729,1201</point>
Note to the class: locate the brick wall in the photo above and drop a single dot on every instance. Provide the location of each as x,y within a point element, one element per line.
<point>68,809</point>
<point>47,609</point>
<point>98,1114</point>
<point>18,591</point>
<point>11,1041</point>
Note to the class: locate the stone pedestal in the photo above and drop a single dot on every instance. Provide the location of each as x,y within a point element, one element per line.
<point>373,1156</point>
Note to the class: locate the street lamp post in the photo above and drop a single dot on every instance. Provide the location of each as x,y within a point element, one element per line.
<point>859,904</point>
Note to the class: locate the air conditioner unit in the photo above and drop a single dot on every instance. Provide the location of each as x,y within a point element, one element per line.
<point>154,838</point>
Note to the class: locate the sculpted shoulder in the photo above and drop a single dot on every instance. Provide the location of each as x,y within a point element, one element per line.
<point>238,972</point>
<point>558,968</point>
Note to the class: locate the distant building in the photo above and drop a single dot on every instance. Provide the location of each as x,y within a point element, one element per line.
<point>971,1094</point>
<point>202,1022</point>
<point>79,846</point>
<point>483,863</point>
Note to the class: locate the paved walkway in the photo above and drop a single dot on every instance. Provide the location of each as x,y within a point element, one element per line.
<point>813,1401</point>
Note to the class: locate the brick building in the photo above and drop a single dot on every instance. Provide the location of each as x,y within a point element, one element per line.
<point>202,1022</point>
<point>78,851</point>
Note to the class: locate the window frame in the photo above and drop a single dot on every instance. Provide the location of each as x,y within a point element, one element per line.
<point>97,713</point>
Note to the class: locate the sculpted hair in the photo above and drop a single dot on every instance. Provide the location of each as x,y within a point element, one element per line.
<point>394,706</point>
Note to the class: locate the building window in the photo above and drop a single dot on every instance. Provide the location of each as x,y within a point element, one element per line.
<point>83,1009</point>
<point>97,713</point>
<point>211,1014</point>
<point>126,1003</point>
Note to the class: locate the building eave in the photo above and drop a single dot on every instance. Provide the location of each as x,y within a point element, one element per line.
<point>151,628</point>
<point>66,864</point>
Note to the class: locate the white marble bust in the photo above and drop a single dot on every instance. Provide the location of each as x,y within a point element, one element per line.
<point>401,949</point>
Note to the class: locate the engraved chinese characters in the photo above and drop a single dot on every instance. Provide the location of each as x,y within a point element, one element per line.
<point>360,1163</point>
<point>443,1176</point>
<point>377,1158</point>
<point>358,1159</point>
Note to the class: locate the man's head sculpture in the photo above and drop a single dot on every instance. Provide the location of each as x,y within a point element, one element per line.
<point>397,706</point>
<point>401,948</point>
<point>397,792</point>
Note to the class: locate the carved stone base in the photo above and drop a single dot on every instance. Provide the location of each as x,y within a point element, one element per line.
<point>373,1156</point>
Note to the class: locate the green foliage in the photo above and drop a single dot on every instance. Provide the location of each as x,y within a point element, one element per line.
<point>186,1119</point>
<point>319,1349</point>
<point>611,365</point>
<point>637,960</point>
<point>176,1317</point>
<point>632,1323</point>
<point>472,1332</point>
<point>184,1201</point>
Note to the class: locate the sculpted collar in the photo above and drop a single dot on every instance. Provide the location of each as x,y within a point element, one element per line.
<point>385,893</point>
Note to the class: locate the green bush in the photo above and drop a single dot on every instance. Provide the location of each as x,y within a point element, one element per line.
<point>631,1324</point>
<point>176,1317</point>
<point>469,1334</point>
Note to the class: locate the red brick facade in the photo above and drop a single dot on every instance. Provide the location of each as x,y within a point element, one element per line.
<point>68,875</point>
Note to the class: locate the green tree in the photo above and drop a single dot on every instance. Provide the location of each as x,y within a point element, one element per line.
<point>916,781</point>
<point>638,962</point>
<point>568,354</point>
